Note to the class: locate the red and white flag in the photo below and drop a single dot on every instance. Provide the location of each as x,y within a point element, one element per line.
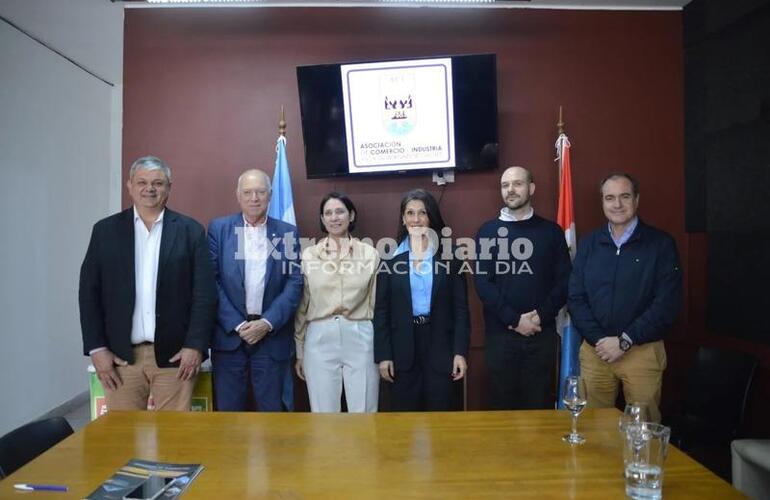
<point>565,217</point>
<point>565,213</point>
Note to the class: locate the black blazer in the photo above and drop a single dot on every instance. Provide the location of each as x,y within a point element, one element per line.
<point>186,300</point>
<point>449,318</point>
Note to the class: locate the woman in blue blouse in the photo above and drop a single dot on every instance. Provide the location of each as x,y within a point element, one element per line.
<point>421,322</point>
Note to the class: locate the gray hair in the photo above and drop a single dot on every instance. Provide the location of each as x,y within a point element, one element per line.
<point>150,163</point>
<point>255,171</point>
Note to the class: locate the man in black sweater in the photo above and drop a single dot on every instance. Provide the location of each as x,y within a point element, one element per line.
<point>523,268</point>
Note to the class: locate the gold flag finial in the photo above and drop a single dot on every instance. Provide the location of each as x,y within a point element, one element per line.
<point>560,124</point>
<point>282,124</point>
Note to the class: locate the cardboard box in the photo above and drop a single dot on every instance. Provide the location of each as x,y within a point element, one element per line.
<point>202,398</point>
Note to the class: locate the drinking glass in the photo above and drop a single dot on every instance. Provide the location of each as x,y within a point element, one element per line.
<point>648,442</point>
<point>574,398</point>
<point>634,413</point>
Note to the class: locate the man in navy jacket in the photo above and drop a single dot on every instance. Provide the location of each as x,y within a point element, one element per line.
<point>259,284</point>
<point>624,293</point>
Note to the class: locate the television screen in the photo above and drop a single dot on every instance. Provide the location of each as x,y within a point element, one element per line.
<point>399,116</point>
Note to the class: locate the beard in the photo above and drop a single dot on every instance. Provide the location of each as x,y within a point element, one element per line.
<point>516,202</point>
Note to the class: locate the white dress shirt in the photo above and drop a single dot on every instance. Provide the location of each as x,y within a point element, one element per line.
<point>255,267</point>
<point>146,255</point>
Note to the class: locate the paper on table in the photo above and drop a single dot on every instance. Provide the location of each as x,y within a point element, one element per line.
<point>136,471</point>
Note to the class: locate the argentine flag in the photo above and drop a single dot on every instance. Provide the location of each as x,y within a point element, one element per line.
<point>282,201</point>
<point>282,208</point>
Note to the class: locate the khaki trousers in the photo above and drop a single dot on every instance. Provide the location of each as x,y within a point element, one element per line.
<point>144,377</point>
<point>640,370</point>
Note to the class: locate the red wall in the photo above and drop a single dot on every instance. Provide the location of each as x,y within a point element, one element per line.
<point>203,90</point>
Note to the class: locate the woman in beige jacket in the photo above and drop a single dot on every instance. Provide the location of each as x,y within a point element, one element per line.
<point>333,326</point>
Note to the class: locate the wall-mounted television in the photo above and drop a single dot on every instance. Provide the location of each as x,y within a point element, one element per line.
<point>399,116</point>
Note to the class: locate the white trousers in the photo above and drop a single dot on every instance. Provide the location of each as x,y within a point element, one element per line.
<point>340,351</point>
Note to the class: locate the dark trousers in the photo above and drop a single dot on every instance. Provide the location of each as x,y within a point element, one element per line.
<point>521,370</point>
<point>232,372</point>
<point>422,388</point>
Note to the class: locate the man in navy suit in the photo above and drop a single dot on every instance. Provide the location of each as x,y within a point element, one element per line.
<point>259,283</point>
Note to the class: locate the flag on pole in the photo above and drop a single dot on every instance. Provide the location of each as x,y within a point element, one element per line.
<point>282,208</point>
<point>282,201</point>
<point>565,213</point>
<point>565,217</point>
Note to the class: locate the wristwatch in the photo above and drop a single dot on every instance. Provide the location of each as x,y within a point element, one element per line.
<point>625,342</point>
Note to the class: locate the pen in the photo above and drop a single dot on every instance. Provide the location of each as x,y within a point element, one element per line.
<point>40,487</point>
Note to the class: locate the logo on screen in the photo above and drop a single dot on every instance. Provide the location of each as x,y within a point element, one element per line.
<point>399,110</point>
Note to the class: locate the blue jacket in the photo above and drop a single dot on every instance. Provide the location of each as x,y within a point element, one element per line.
<point>636,290</point>
<point>283,285</point>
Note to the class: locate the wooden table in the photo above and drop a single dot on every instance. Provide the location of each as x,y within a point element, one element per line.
<point>468,455</point>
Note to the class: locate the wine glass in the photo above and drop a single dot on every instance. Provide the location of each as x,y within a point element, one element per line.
<point>574,398</point>
<point>633,414</point>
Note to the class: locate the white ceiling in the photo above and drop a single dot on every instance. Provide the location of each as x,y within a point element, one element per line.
<point>88,31</point>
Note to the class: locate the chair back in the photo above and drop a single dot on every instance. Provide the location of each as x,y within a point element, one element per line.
<point>28,441</point>
<point>718,388</point>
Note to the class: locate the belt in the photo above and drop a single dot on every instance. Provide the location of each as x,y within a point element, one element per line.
<point>253,317</point>
<point>421,320</point>
<point>146,342</point>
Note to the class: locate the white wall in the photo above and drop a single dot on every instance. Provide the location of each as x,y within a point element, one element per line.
<point>60,166</point>
<point>87,31</point>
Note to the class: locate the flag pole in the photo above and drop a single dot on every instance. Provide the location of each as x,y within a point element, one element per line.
<point>569,359</point>
<point>282,208</point>
<point>560,129</point>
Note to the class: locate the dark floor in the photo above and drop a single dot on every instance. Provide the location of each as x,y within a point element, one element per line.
<point>79,415</point>
<point>716,458</point>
